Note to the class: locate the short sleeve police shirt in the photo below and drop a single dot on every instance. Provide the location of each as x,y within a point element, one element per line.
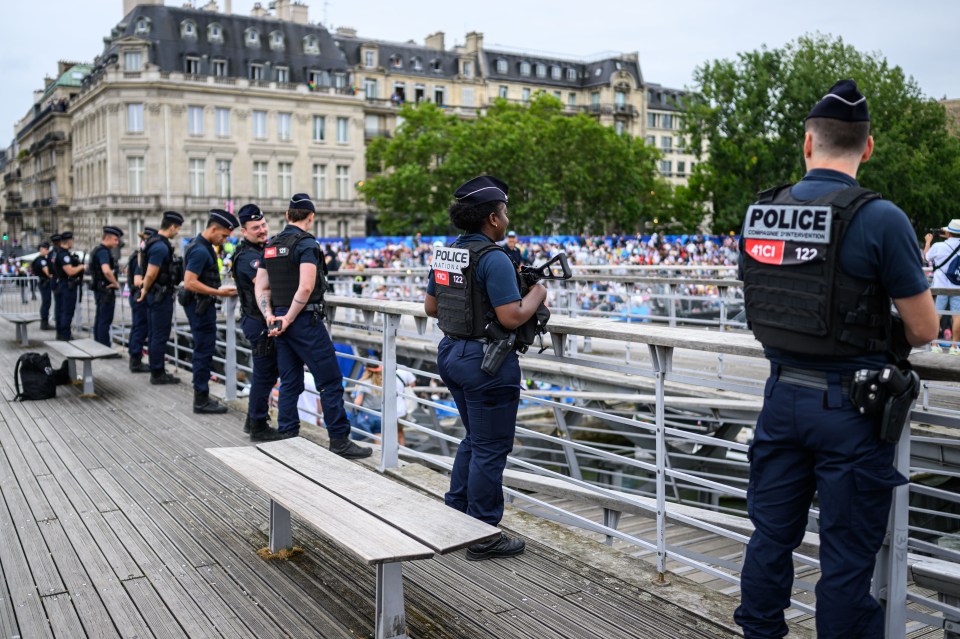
<point>199,257</point>
<point>496,274</point>
<point>38,265</point>
<point>157,254</point>
<point>63,257</point>
<point>101,256</point>
<point>247,265</point>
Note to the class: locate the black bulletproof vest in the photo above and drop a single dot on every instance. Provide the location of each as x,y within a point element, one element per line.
<point>463,308</point>
<point>797,298</point>
<point>37,270</point>
<point>171,271</point>
<point>98,277</point>
<point>55,269</point>
<point>211,273</point>
<point>284,272</point>
<point>245,286</point>
<point>131,270</point>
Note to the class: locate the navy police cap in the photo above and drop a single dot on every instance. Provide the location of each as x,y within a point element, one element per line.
<point>66,235</point>
<point>302,201</point>
<point>843,102</point>
<point>112,230</point>
<point>56,237</point>
<point>248,213</point>
<point>223,218</point>
<point>148,231</point>
<point>44,244</point>
<point>173,216</point>
<point>479,190</point>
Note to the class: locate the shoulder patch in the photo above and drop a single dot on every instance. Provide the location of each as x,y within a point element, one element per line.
<point>254,263</point>
<point>66,259</point>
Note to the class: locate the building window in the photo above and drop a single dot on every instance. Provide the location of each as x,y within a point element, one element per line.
<point>665,167</point>
<point>651,140</point>
<point>340,80</point>
<point>620,98</point>
<point>143,26</point>
<point>311,45</point>
<point>439,96</point>
<point>132,61</point>
<point>260,125</point>
<point>467,97</point>
<point>256,71</point>
<point>572,75</point>
<point>652,120</point>
<point>285,179</point>
<point>135,175</point>
<point>396,61</point>
<point>524,68</point>
<point>525,94</point>
<point>214,33</point>
<point>195,120</point>
<point>320,181</point>
<point>557,95</point>
<point>436,65</point>
<point>223,178</point>
<point>343,182</point>
<point>260,179</point>
<point>467,69</point>
<point>188,29</point>
<point>501,66</point>
<point>369,59</point>
<point>319,78</point>
<point>371,125</point>
<point>252,38</point>
<point>555,73</point>
<point>503,91</point>
<point>666,121</point>
<point>342,130</point>
<point>620,127</point>
<point>541,70</point>
<point>572,99</point>
<point>135,118</point>
<point>370,88</point>
<point>222,119</point>
<point>681,168</point>
<point>595,98</point>
<point>276,41</point>
<point>416,63</point>
<point>197,170</point>
<point>283,74</point>
<point>319,128</point>
<point>192,65</point>
<point>666,142</point>
<point>220,68</point>
<point>283,126</point>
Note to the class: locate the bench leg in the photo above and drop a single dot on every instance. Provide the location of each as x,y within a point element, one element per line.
<point>281,534</point>
<point>22,335</point>
<point>391,618</point>
<point>72,370</point>
<point>88,377</point>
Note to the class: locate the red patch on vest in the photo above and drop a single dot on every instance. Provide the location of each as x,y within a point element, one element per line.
<point>270,252</point>
<point>442,278</point>
<point>766,251</point>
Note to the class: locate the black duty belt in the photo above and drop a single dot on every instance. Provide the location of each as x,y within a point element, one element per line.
<point>482,340</point>
<point>811,379</point>
<point>313,308</point>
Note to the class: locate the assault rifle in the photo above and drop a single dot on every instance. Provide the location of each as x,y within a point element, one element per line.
<point>557,268</point>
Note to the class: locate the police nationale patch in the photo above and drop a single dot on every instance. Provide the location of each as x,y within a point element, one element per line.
<point>789,222</point>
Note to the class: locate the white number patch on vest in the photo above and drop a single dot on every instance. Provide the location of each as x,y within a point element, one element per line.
<point>448,264</point>
<point>787,234</point>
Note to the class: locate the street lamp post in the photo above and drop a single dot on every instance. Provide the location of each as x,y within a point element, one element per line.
<point>224,171</point>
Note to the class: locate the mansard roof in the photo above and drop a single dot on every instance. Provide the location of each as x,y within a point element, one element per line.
<point>588,74</point>
<point>434,63</point>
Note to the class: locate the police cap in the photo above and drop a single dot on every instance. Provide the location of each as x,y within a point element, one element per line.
<point>174,217</point>
<point>249,213</point>
<point>44,244</point>
<point>843,102</point>
<point>66,235</point>
<point>223,218</point>
<point>303,202</point>
<point>147,232</point>
<point>112,230</point>
<point>56,237</point>
<point>480,190</point>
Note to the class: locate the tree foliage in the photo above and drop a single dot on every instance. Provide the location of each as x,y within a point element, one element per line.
<point>746,119</point>
<point>566,173</point>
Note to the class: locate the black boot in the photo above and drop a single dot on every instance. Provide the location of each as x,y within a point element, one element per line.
<point>247,428</point>
<point>161,376</point>
<point>501,546</point>
<point>260,431</point>
<point>204,404</point>
<point>346,448</point>
<point>137,366</point>
<point>45,326</point>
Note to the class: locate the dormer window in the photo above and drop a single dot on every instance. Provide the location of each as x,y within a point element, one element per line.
<point>143,26</point>
<point>541,70</point>
<point>192,65</point>
<point>572,75</point>
<point>276,41</point>
<point>369,59</point>
<point>436,65</point>
<point>467,69</point>
<point>524,68</point>
<point>252,38</point>
<point>555,73</point>
<point>416,63</point>
<point>311,45</point>
<point>501,66</point>
<point>396,61</point>
<point>188,29</point>
<point>215,33</point>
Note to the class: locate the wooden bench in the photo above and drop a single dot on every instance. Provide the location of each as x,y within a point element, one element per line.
<point>85,350</point>
<point>378,520</point>
<point>22,321</point>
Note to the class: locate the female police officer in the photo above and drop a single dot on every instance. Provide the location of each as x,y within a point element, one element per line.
<point>473,283</point>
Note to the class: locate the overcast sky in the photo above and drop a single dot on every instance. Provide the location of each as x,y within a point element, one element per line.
<point>671,36</point>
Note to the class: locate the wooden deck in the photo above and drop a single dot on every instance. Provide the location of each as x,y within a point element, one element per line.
<point>114,522</point>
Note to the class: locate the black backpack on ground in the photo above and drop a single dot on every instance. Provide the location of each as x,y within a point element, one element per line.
<point>37,377</point>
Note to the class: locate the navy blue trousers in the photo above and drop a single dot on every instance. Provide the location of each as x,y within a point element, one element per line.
<point>65,310</point>
<point>203,326</point>
<point>55,295</point>
<point>306,343</point>
<point>265,371</point>
<point>488,408</point>
<point>45,295</point>
<point>161,321</point>
<point>814,440</point>
<point>139,325</point>
<point>103,319</point>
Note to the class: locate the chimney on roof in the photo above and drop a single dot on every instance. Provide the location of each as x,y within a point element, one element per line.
<point>227,7</point>
<point>47,81</point>
<point>130,5</point>
<point>65,65</point>
<point>474,42</point>
<point>258,11</point>
<point>299,13</point>
<point>281,10</point>
<point>346,32</point>
<point>435,41</point>
<point>211,7</point>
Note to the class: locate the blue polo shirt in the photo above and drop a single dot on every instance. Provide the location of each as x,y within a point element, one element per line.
<point>198,258</point>
<point>879,245</point>
<point>157,254</point>
<point>495,273</point>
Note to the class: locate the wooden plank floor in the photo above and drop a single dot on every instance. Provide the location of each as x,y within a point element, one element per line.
<point>116,523</point>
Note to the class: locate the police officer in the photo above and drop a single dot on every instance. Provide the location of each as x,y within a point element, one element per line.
<point>55,240</point>
<point>139,314</point>
<point>246,261</point>
<point>290,285</point>
<point>70,270</point>
<point>821,261</point>
<point>103,266</point>
<point>201,284</point>
<point>40,268</point>
<point>163,271</point>
<point>472,284</point>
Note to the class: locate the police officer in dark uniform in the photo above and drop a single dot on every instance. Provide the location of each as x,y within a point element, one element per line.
<point>139,314</point>
<point>246,261</point>
<point>163,272</point>
<point>103,267</point>
<point>70,269</point>
<point>290,285</point>
<point>201,284</point>
<point>474,284</point>
<point>821,261</point>
<point>42,270</point>
<point>55,275</point>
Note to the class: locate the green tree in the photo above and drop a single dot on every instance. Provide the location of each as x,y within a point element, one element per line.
<point>746,120</point>
<point>567,173</point>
